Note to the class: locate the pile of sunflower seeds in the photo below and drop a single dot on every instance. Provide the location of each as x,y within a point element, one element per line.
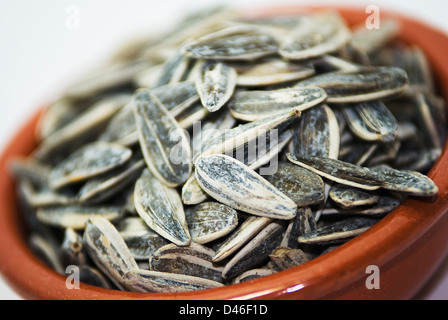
<point>310,133</point>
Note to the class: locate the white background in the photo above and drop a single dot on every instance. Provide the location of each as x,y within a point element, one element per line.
<point>40,56</point>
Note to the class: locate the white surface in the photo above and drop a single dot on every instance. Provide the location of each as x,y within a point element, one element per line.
<point>40,56</point>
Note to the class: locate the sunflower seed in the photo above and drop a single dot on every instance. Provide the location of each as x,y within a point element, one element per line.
<point>338,232</point>
<point>317,133</point>
<point>209,221</point>
<point>194,249</point>
<point>192,192</point>
<point>372,121</point>
<point>173,70</point>
<point>348,197</point>
<point>410,182</point>
<point>44,196</point>
<point>234,43</point>
<point>215,84</point>
<point>155,127</point>
<point>365,84</point>
<point>300,185</point>
<point>87,162</point>
<point>274,72</point>
<point>258,105</point>
<point>238,136</point>
<point>108,250</point>
<point>139,280</point>
<point>76,217</point>
<point>338,171</point>
<point>83,127</point>
<point>246,231</point>
<point>161,208</point>
<point>99,189</point>
<point>320,34</point>
<point>42,248</point>
<point>94,277</point>
<point>140,239</point>
<point>232,183</point>
<point>303,223</point>
<point>34,171</point>
<point>384,205</point>
<point>253,274</point>
<point>186,265</point>
<point>72,249</point>
<point>284,258</point>
<point>121,128</point>
<point>177,97</point>
<point>256,251</point>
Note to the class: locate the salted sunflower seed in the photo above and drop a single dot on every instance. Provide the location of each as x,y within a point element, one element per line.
<point>372,121</point>
<point>185,264</point>
<point>93,277</point>
<point>139,280</point>
<point>252,275</point>
<point>303,223</point>
<point>338,232</point>
<point>410,182</point>
<point>28,169</point>
<point>348,197</point>
<point>365,84</point>
<point>192,192</point>
<point>42,248</point>
<point>384,205</point>
<point>173,70</point>
<point>274,72</point>
<point>108,250</point>
<point>177,97</point>
<point>209,221</point>
<point>193,249</point>
<point>72,249</point>
<point>83,127</point>
<point>161,208</point>
<point>234,43</point>
<point>246,231</point>
<point>320,34</point>
<point>238,136</point>
<point>338,171</point>
<point>233,183</point>
<point>76,217</point>
<point>44,196</point>
<point>155,129</point>
<point>317,133</point>
<point>140,239</point>
<point>99,189</point>
<point>215,84</point>
<point>283,258</point>
<point>259,104</point>
<point>256,251</point>
<point>302,186</point>
<point>87,162</point>
<point>121,128</point>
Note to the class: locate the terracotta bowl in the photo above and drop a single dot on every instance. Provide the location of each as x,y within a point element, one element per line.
<point>407,245</point>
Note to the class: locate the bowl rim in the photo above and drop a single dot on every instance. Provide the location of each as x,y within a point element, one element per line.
<point>312,280</point>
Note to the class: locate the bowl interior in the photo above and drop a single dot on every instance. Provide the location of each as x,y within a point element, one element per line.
<point>315,279</point>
